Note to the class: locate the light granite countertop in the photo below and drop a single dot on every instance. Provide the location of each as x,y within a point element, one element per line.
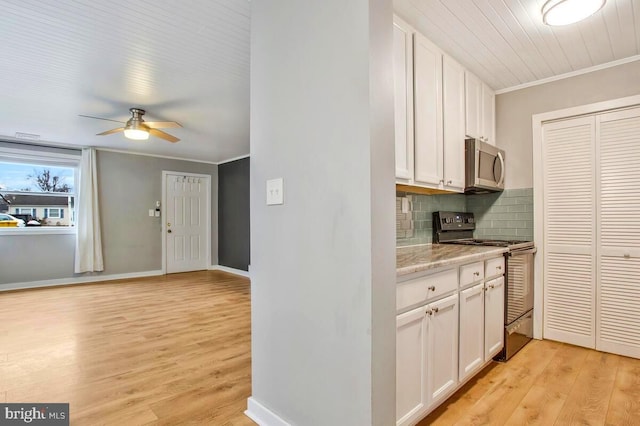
<point>410,259</point>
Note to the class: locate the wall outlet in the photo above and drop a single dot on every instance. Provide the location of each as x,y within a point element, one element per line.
<point>157,213</point>
<point>275,192</point>
<point>151,213</point>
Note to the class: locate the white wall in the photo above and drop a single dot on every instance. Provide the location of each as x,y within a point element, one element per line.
<point>515,109</point>
<point>323,264</point>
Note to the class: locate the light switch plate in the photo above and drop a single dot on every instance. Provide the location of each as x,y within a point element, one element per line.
<point>151,213</point>
<point>275,192</point>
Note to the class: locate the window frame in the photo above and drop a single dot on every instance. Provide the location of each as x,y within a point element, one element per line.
<point>43,158</point>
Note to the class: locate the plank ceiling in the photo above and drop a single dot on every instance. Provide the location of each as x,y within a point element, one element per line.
<point>189,61</point>
<point>186,61</point>
<point>506,44</point>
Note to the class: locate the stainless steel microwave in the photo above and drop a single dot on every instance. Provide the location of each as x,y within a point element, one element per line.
<point>484,167</point>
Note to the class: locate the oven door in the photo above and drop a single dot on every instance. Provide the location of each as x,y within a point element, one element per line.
<point>519,297</point>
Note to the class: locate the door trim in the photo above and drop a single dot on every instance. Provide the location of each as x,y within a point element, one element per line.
<point>537,121</point>
<point>163,214</point>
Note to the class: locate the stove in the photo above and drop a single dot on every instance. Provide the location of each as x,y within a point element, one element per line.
<point>458,228</point>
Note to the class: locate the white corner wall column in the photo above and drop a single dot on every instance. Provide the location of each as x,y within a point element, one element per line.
<point>323,262</point>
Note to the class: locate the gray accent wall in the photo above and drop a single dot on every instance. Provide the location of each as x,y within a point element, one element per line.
<point>514,111</point>
<point>233,214</point>
<point>129,185</point>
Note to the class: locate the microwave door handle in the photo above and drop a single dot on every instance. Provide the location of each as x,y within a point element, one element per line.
<point>501,158</point>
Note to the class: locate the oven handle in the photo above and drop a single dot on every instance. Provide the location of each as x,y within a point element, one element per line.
<point>521,252</point>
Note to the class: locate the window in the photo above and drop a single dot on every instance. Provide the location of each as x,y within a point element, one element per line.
<point>39,185</point>
<point>54,213</point>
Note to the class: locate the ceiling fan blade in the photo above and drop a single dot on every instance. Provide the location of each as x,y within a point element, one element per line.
<point>162,124</point>
<point>100,118</point>
<point>163,135</point>
<point>109,132</point>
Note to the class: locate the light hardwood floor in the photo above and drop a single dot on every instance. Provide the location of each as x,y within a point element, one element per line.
<point>548,383</point>
<point>163,350</point>
<point>177,350</point>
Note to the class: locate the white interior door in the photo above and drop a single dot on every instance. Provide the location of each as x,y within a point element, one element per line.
<point>618,319</point>
<point>186,227</point>
<point>569,231</point>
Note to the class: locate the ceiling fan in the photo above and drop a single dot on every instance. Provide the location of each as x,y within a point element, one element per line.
<point>137,129</point>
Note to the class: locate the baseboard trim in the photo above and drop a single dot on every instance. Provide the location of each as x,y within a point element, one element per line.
<point>229,270</point>
<point>262,415</point>
<point>77,280</point>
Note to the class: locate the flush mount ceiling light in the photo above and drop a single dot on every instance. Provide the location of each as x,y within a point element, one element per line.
<point>565,12</point>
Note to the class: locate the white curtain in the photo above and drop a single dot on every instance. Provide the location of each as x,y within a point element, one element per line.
<point>88,240</point>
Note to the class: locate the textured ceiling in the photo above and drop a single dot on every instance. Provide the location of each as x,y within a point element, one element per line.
<point>506,44</point>
<point>184,61</point>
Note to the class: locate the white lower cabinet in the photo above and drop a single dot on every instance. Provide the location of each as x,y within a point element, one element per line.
<point>471,330</point>
<point>493,318</point>
<point>445,340</point>
<point>426,357</point>
<point>442,351</point>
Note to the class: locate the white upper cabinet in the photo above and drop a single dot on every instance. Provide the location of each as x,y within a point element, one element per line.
<point>403,98</point>
<point>473,105</point>
<point>428,112</point>
<point>480,109</point>
<point>437,102</point>
<point>488,114</point>
<point>453,115</point>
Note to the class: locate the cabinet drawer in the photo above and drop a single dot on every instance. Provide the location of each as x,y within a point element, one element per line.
<point>494,267</point>
<point>471,273</point>
<point>423,289</point>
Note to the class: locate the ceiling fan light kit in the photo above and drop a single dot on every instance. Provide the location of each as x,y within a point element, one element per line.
<point>565,12</point>
<point>138,129</point>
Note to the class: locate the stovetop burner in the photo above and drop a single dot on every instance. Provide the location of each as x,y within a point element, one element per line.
<point>512,244</point>
<point>458,227</point>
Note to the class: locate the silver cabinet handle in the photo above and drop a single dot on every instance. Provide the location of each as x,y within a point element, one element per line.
<point>449,182</point>
<point>435,310</point>
<point>432,288</point>
<point>429,312</point>
<point>477,274</point>
<point>499,268</point>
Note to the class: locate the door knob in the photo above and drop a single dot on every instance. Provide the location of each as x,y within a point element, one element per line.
<point>169,231</point>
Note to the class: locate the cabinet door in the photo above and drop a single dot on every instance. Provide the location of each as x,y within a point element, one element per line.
<point>488,114</point>
<point>618,319</point>
<point>427,96</point>
<point>493,317</point>
<point>403,98</point>
<point>411,364</point>
<point>442,353</point>
<point>471,330</point>
<point>453,115</point>
<point>473,105</point>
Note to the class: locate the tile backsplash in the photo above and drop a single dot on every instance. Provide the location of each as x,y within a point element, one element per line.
<point>503,215</point>
<point>416,226</point>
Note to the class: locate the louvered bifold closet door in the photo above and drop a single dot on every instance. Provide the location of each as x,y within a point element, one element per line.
<point>569,236</point>
<point>618,318</point>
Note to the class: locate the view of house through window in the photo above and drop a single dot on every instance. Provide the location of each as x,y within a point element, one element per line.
<point>36,195</point>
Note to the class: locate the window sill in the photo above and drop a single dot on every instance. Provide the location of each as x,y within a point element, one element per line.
<point>33,230</point>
